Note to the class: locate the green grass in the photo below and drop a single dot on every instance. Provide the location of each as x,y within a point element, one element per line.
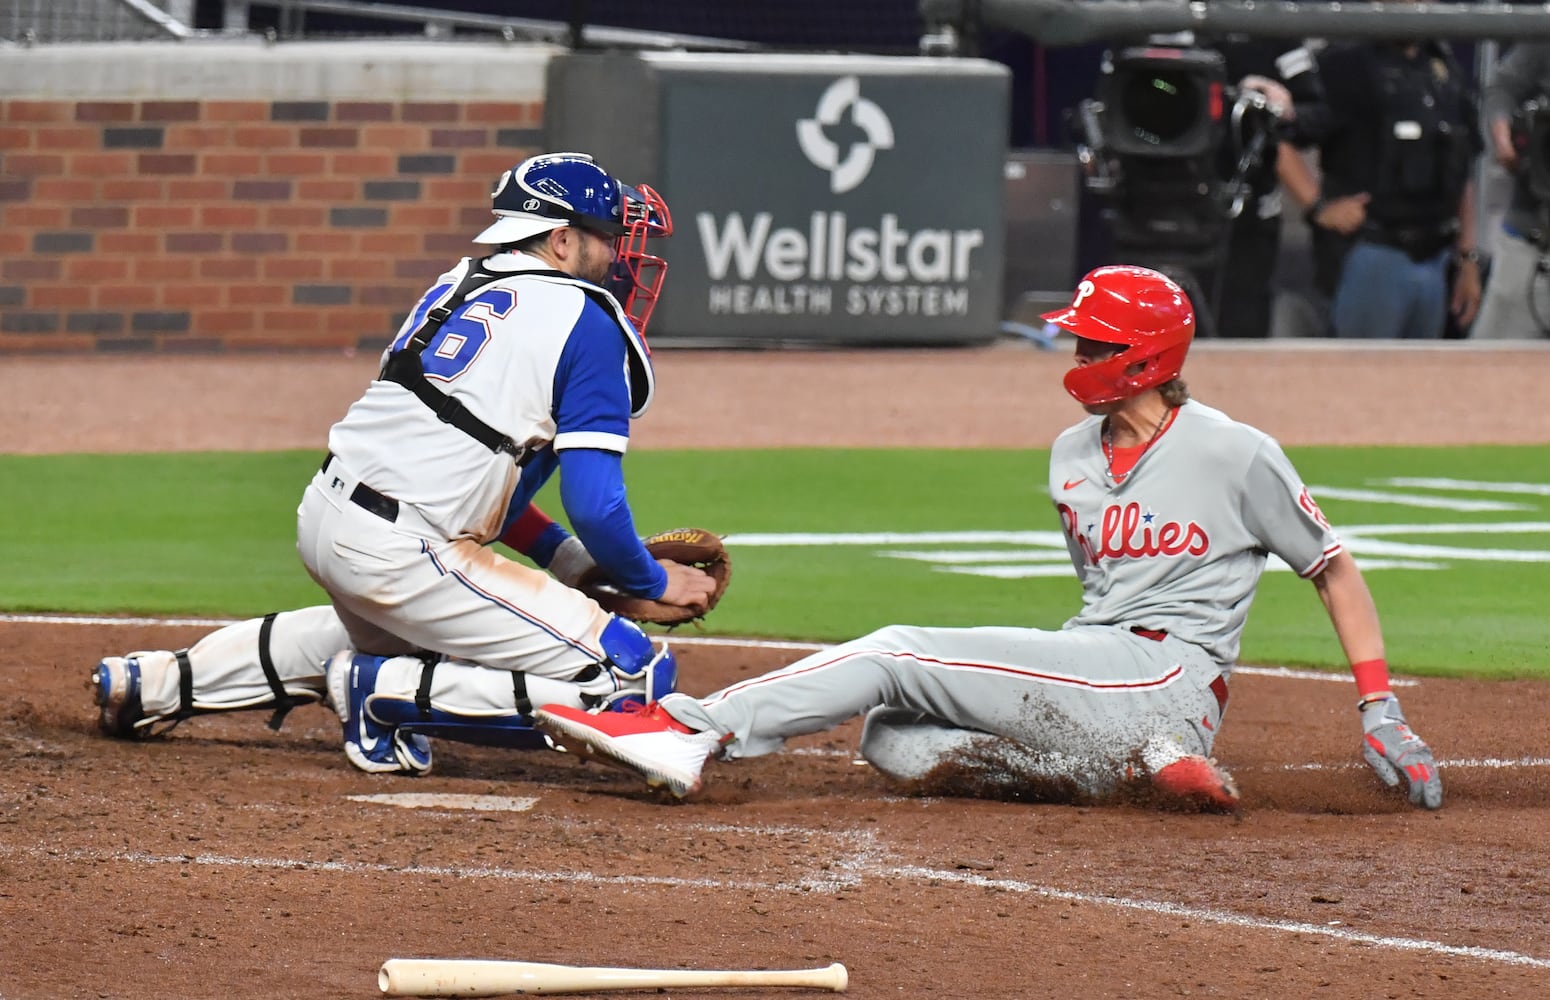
<point>209,533</point>
<point>213,534</point>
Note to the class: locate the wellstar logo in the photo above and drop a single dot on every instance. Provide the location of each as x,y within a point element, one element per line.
<point>824,153</point>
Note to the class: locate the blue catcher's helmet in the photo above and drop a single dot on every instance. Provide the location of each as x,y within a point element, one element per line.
<point>553,190</point>
<point>568,189</point>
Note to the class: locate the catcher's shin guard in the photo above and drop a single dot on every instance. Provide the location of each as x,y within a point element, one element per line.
<point>416,714</point>
<point>513,732</point>
<point>147,693</point>
<point>467,703</point>
<point>262,663</point>
<point>631,657</point>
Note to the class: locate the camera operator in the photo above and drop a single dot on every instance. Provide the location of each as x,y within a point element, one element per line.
<point>1517,295</point>
<point>1397,132</point>
<point>1241,283</point>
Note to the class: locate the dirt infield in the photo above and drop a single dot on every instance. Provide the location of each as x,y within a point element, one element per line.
<point>230,861</point>
<point>1004,396</point>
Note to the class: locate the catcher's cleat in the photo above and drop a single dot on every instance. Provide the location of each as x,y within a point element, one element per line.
<point>1200,782</point>
<point>115,685</point>
<point>645,740</point>
<point>370,745</point>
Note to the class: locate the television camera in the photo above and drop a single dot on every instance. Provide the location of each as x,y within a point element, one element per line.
<point>1174,150</point>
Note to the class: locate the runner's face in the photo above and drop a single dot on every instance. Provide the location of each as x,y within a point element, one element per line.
<point>1090,352</point>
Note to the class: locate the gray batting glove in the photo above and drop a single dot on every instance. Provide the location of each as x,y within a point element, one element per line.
<point>1394,751</point>
<point>570,562</point>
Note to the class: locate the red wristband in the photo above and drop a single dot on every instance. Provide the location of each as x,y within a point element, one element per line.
<point>524,531</point>
<point>1372,677</point>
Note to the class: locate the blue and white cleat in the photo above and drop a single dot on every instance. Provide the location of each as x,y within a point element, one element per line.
<point>370,745</point>
<point>115,685</point>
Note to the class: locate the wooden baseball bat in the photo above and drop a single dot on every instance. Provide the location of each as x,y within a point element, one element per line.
<point>450,977</point>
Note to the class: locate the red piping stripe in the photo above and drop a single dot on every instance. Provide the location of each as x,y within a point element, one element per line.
<point>995,668</point>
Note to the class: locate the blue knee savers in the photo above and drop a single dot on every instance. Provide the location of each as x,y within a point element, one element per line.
<point>633,658</point>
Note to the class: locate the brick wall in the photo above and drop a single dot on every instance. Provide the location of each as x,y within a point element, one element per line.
<point>208,225</point>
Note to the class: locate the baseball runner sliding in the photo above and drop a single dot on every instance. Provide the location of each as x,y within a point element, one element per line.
<point>1169,509</point>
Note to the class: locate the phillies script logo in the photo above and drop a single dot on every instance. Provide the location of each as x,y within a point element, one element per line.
<point>1125,532</point>
<point>1306,502</point>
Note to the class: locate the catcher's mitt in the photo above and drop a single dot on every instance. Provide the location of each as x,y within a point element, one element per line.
<point>691,546</point>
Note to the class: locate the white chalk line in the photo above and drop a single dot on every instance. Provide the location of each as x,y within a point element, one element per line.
<point>89,620</point>
<point>1227,918</point>
<point>856,854</point>
<point>848,873</point>
<point>1483,763</point>
<point>1480,763</point>
<point>445,800</point>
<point>684,640</point>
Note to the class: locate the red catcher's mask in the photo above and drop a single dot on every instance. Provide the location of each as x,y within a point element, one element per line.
<point>636,277</point>
<point>1142,310</point>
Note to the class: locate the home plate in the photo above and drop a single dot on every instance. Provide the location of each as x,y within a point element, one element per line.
<point>436,800</point>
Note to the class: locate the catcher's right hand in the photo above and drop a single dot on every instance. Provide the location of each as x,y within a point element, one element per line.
<point>1393,750</point>
<point>698,571</point>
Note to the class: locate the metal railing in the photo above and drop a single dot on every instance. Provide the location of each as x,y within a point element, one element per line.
<point>34,21</point>
<point>44,21</point>
<point>1078,22</point>
<point>439,22</point>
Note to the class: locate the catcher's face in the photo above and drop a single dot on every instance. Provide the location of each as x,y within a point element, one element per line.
<point>594,256</point>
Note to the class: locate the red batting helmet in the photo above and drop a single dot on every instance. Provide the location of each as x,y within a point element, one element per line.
<point>1134,306</point>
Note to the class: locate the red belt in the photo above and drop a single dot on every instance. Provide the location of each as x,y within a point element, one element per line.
<point>1156,635</point>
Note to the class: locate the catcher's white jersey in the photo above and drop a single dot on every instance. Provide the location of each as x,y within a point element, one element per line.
<point>1180,543</point>
<point>500,358</point>
<point>528,357</point>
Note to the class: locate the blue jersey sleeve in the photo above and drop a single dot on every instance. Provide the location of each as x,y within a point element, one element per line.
<point>592,491</point>
<point>592,386</point>
<point>592,430</point>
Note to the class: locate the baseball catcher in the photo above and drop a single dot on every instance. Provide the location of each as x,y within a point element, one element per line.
<point>515,367</point>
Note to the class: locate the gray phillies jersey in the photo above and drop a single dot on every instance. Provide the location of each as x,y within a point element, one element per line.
<point>1180,543</point>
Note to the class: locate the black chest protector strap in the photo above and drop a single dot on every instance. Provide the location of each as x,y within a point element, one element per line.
<point>404,368</point>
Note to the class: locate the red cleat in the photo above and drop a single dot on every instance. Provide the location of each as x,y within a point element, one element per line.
<point>1200,782</point>
<point>645,740</point>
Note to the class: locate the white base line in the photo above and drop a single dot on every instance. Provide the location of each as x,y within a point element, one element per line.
<point>1229,919</point>
<point>799,647</point>
<point>1481,763</point>
<point>88,620</point>
<point>848,881</point>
